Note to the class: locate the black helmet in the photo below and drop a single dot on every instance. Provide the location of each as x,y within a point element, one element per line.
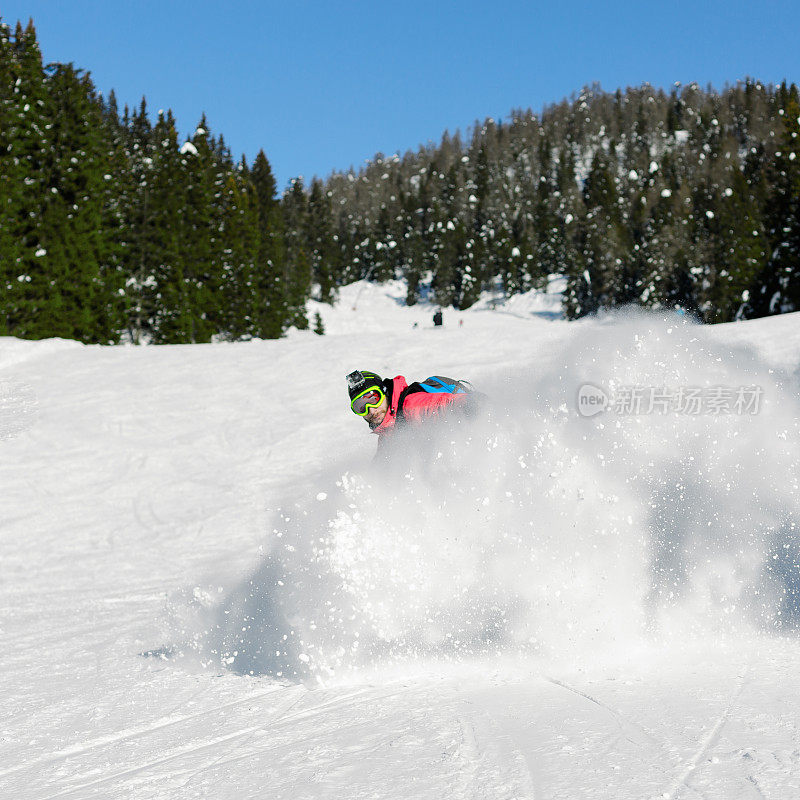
<point>361,380</point>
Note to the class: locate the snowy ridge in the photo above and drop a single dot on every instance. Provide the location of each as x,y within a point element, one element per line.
<point>209,590</point>
<point>369,307</point>
<point>15,351</point>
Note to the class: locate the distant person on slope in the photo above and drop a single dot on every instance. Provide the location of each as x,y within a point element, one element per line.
<point>392,403</point>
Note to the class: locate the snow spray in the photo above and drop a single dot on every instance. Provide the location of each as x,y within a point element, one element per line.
<point>661,510</point>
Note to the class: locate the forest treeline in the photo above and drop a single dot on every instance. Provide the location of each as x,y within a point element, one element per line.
<point>112,229</point>
<point>688,199</point>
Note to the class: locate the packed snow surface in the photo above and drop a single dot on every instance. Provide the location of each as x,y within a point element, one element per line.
<point>591,590</point>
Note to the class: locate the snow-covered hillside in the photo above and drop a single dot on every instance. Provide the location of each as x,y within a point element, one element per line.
<point>209,590</point>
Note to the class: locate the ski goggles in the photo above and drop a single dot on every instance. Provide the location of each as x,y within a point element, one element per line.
<point>368,399</point>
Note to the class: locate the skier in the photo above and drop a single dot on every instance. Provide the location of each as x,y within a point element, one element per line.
<point>392,403</point>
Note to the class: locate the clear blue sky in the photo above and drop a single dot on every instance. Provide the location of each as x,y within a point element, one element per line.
<point>323,85</point>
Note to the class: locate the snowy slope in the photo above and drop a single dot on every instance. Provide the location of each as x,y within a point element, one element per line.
<point>208,590</point>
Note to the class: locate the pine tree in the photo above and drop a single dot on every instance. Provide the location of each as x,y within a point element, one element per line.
<point>117,193</point>
<point>779,284</point>
<point>447,242</point>
<point>28,307</point>
<point>666,246</point>
<point>474,265</point>
<point>568,233</point>
<point>11,181</point>
<point>740,250</point>
<point>239,230</point>
<point>200,237</point>
<point>172,312</point>
<point>412,249</point>
<point>298,269</point>
<point>606,247</point>
<point>548,231</point>
<point>322,246</point>
<point>271,255</point>
<point>135,181</point>
<point>384,255</point>
<point>85,285</point>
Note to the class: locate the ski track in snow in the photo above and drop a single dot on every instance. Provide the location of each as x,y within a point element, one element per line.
<point>633,733</point>
<point>144,492</point>
<point>132,733</point>
<point>682,784</point>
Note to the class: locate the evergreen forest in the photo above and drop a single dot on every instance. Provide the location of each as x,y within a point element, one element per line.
<point>113,229</point>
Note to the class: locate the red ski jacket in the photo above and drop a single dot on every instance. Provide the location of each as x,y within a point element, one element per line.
<point>417,406</point>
